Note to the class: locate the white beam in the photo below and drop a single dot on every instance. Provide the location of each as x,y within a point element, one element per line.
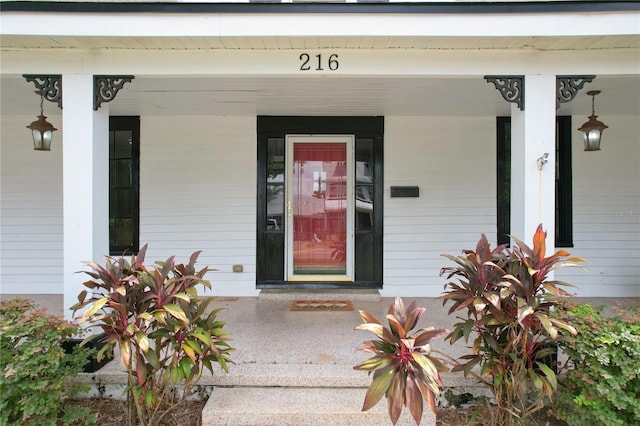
<point>352,62</point>
<point>85,182</point>
<point>533,136</point>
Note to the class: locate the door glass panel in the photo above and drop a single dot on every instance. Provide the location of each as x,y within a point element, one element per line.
<point>364,184</point>
<point>123,142</point>
<point>275,184</point>
<point>275,160</point>
<point>364,207</point>
<point>275,207</point>
<point>320,210</point>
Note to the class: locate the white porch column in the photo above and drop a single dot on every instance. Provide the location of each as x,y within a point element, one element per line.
<point>85,182</point>
<point>533,136</point>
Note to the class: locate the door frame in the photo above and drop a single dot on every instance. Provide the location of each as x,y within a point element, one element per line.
<point>368,239</point>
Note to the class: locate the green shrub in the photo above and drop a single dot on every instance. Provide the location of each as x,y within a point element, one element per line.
<point>34,368</point>
<point>602,382</point>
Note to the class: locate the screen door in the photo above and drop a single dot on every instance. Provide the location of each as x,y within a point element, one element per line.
<point>320,207</point>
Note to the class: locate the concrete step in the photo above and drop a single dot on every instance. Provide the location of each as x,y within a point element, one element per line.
<point>266,406</point>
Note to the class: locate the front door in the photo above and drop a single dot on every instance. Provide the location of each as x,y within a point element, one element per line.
<point>319,194</point>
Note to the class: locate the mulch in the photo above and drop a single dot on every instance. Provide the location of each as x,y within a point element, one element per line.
<point>111,412</point>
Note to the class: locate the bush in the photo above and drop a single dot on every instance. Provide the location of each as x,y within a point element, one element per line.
<point>507,295</point>
<point>34,368</point>
<point>602,381</point>
<point>166,334</point>
<point>404,369</point>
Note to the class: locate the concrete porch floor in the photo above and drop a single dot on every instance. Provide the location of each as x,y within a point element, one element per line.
<point>265,331</point>
<point>268,337</point>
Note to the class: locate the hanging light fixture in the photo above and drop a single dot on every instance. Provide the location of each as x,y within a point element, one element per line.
<point>592,129</point>
<point>41,129</point>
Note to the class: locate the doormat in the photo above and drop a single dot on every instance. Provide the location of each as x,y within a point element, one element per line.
<point>321,305</point>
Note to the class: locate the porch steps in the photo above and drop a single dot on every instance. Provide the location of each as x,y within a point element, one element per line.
<point>293,394</point>
<point>266,406</point>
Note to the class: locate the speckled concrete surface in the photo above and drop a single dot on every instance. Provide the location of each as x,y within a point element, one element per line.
<point>266,332</point>
<point>295,406</point>
<point>296,368</point>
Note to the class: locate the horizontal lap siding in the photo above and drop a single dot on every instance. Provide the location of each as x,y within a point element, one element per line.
<point>197,192</point>
<point>606,211</point>
<point>452,160</point>
<point>30,209</point>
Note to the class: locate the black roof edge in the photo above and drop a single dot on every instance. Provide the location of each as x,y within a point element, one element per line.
<point>262,7</point>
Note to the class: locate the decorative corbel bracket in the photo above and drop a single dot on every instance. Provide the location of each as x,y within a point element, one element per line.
<point>511,87</point>
<point>106,87</point>
<point>49,85</point>
<point>568,86</point>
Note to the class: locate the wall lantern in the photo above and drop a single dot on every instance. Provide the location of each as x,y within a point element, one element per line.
<point>592,129</point>
<point>41,129</point>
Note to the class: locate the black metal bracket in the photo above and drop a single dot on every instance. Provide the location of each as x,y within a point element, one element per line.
<point>49,85</point>
<point>511,87</point>
<point>568,86</point>
<point>106,87</point>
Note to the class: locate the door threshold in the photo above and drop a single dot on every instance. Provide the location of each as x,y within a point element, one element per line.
<point>368,295</point>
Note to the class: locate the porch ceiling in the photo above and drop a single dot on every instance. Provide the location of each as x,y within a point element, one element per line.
<point>324,95</point>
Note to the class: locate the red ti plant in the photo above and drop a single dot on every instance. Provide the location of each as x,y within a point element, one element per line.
<point>403,368</point>
<point>166,334</point>
<point>507,295</point>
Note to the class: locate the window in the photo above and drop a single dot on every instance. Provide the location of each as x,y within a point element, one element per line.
<point>299,226</point>
<point>124,189</point>
<point>563,194</point>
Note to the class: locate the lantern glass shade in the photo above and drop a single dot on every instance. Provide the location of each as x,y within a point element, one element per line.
<point>42,132</point>
<point>592,129</point>
<point>592,133</point>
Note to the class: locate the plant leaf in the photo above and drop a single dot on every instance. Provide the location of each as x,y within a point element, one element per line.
<point>379,385</point>
<point>94,308</point>
<point>176,312</point>
<point>539,245</point>
<point>188,350</point>
<point>396,396</point>
<point>368,318</point>
<point>374,363</point>
<point>426,335</point>
<point>549,374</point>
<point>563,325</point>
<point>125,353</point>
<point>413,399</point>
<point>143,341</point>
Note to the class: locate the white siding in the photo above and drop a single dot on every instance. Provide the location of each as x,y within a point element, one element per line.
<point>452,160</point>
<point>198,178</point>
<point>198,192</point>
<point>606,211</point>
<point>30,208</point>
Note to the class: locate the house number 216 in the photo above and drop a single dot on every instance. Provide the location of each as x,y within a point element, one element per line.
<point>307,62</point>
